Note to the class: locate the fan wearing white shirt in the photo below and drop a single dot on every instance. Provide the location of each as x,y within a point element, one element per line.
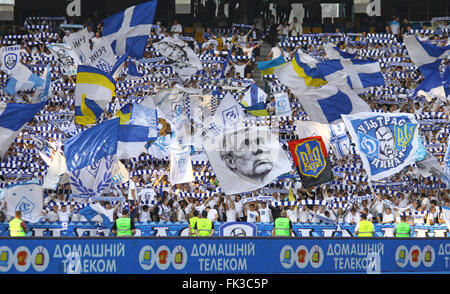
<point>52,215</point>
<point>239,207</point>
<point>213,215</point>
<point>144,215</point>
<point>64,213</point>
<point>265,213</point>
<point>252,214</point>
<point>230,211</point>
<point>176,28</point>
<point>292,214</point>
<point>388,216</point>
<point>352,217</point>
<point>303,215</point>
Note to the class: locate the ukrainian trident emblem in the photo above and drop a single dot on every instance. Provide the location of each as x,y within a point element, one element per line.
<point>311,158</point>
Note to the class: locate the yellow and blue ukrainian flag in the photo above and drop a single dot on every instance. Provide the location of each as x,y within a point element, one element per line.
<point>267,67</point>
<point>253,101</point>
<point>94,90</point>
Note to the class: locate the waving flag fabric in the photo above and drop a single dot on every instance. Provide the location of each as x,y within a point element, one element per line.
<point>268,67</point>
<point>300,73</point>
<point>425,56</point>
<point>94,89</point>
<point>282,104</point>
<point>311,159</point>
<point>328,103</point>
<point>66,57</point>
<point>102,56</point>
<point>13,116</point>
<point>95,211</point>
<point>432,86</point>
<point>27,198</point>
<point>43,92</point>
<point>128,30</point>
<point>10,58</point>
<point>446,175</point>
<point>79,42</point>
<point>138,125</point>
<point>333,52</point>
<point>386,142</point>
<point>254,101</point>
<point>362,74</point>
<point>305,129</point>
<point>180,165</point>
<point>339,141</point>
<point>91,158</point>
<point>22,79</point>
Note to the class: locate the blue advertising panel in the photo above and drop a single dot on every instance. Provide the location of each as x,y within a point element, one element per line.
<point>140,255</point>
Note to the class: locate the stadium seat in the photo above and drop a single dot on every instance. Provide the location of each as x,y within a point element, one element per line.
<point>198,36</point>
<point>189,30</point>
<point>306,30</point>
<point>316,30</point>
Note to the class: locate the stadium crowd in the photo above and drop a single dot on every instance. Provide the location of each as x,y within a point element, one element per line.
<point>229,57</point>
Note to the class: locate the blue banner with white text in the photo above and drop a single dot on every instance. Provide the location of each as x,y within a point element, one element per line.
<point>223,255</point>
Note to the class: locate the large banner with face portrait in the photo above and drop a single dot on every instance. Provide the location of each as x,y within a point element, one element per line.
<point>386,142</point>
<point>246,159</point>
<point>180,56</point>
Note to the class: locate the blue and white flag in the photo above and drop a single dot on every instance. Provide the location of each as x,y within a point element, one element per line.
<point>339,141</point>
<point>179,56</point>
<point>136,128</point>
<point>425,56</point>
<point>90,158</point>
<point>386,142</point>
<point>53,157</point>
<point>119,65</point>
<point>43,92</point>
<point>10,58</point>
<point>328,103</point>
<point>180,165</point>
<point>229,115</point>
<point>282,105</point>
<point>13,117</point>
<point>333,52</point>
<point>432,86</point>
<point>26,197</point>
<point>95,212</point>
<point>254,101</point>
<point>65,56</point>
<point>79,42</point>
<point>133,72</point>
<point>22,79</point>
<point>128,30</point>
<point>102,56</point>
<point>362,74</point>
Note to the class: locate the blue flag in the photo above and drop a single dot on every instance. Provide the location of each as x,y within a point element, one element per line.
<point>128,30</point>
<point>386,142</point>
<point>92,145</point>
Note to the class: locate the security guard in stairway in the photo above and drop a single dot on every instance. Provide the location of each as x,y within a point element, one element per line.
<point>17,227</point>
<point>282,226</point>
<point>204,227</point>
<point>402,229</point>
<point>192,221</point>
<point>364,228</point>
<point>124,225</point>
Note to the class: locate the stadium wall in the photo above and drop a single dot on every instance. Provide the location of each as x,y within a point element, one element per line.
<point>223,255</point>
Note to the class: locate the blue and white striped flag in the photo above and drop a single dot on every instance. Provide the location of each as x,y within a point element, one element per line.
<point>22,79</point>
<point>425,56</point>
<point>362,74</point>
<point>128,30</point>
<point>27,198</point>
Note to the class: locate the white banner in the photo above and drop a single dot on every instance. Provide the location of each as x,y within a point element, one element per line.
<point>246,159</point>
<point>27,198</point>
<point>10,58</point>
<point>180,165</point>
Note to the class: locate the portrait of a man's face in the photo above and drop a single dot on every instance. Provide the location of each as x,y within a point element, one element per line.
<point>65,58</point>
<point>387,143</point>
<point>246,153</point>
<point>173,52</point>
<point>246,159</point>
